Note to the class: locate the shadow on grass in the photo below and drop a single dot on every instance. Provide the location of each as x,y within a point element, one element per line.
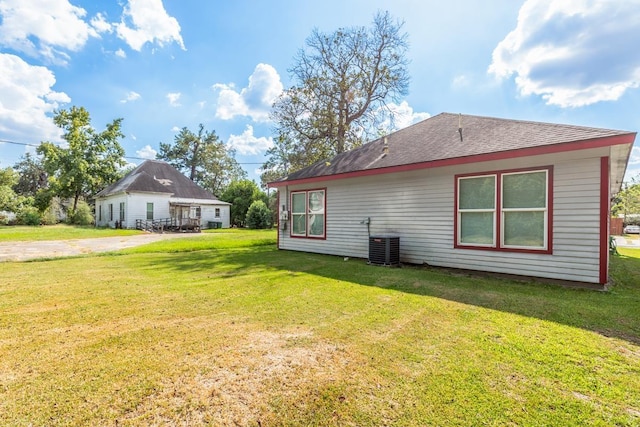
<point>614,313</point>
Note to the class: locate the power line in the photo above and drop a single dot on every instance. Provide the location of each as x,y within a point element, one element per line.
<point>126,157</point>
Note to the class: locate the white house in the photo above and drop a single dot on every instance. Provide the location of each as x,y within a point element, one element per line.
<point>466,192</point>
<point>156,192</point>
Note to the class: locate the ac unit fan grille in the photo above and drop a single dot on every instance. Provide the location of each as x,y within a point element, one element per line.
<point>384,250</point>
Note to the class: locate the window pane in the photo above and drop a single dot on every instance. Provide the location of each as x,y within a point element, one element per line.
<point>524,229</point>
<point>299,224</point>
<point>477,193</point>
<point>150,211</point>
<point>524,190</point>
<point>316,225</point>
<point>476,228</point>
<point>316,201</point>
<point>298,201</point>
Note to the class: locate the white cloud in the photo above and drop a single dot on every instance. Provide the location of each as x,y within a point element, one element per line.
<point>247,143</point>
<point>99,22</point>
<point>403,116</point>
<point>121,53</point>
<point>460,82</point>
<point>572,52</point>
<point>27,99</point>
<point>146,21</point>
<point>45,28</point>
<point>175,129</point>
<point>146,152</point>
<point>174,98</point>
<point>253,101</point>
<point>131,96</point>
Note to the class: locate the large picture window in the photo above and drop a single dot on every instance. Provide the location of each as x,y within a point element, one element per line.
<point>308,214</point>
<point>504,210</point>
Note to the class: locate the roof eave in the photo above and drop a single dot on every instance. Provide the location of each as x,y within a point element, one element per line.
<point>586,144</point>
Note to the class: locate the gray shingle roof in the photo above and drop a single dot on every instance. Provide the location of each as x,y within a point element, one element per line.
<point>437,138</point>
<point>155,176</point>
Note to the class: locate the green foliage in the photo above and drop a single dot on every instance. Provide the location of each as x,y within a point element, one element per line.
<point>259,215</point>
<point>241,194</point>
<point>49,216</point>
<point>204,158</point>
<point>28,215</point>
<point>343,82</point>
<point>91,160</point>
<point>43,198</point>
<point>81,215</point>
<point>31,176</point>
<point>8,198</point>
<point>627,201</point>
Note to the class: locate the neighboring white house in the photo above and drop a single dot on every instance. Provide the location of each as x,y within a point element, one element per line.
<point>156,191</point>
<point>467,192</point>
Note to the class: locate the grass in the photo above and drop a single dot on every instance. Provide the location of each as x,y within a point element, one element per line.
<point>224,329</point>
<point>58,232</point>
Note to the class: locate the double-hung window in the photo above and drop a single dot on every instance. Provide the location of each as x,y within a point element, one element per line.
<point>308,214</point>
<point>507,210</point>
<point>149,211</point>
<point>121,212</point>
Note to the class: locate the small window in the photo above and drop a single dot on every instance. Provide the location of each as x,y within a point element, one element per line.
<point>100,212</point>
<point>217,212</point>
<point>150,211</point>
<point>121,212</point>
<point>308,214</point>
<point>110,212</point>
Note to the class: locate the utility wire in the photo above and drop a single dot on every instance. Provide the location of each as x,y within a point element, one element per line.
<point>126,157</point>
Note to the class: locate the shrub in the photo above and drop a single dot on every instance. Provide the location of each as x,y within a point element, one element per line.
<point>82,215</point>
<point>258,215</point>
<point>28,215</point>
<point>49,217</point>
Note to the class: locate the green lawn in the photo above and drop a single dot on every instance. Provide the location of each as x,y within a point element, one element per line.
<point>58,232</point>
<point>224,329</point>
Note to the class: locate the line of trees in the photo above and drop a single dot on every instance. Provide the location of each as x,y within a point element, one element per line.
<point>343,82</point>
<point>61,180</point>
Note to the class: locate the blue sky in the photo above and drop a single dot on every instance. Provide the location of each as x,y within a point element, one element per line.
<point>166,64</point>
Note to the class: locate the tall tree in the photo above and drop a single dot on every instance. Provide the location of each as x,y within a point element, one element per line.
<point>8,198</point>
<point>89,162</point>
<point>344,81</point>
<point>32,176</point>
<point>241,194</point>
<point>204,158</point>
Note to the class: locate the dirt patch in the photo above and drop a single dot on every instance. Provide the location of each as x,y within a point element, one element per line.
<point>24,251</point>
<point>234,389</point>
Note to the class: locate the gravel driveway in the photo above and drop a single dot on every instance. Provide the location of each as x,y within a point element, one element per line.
<point>22,251</point>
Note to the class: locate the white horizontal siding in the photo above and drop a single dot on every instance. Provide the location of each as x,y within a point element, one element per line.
<point>137,204</point>
<point>419,207</point>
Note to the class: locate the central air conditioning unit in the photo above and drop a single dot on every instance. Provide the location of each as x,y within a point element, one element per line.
<point>384,250</point>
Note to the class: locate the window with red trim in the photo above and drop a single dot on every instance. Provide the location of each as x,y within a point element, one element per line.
<point>308,214</point>
<point>507,210</point>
